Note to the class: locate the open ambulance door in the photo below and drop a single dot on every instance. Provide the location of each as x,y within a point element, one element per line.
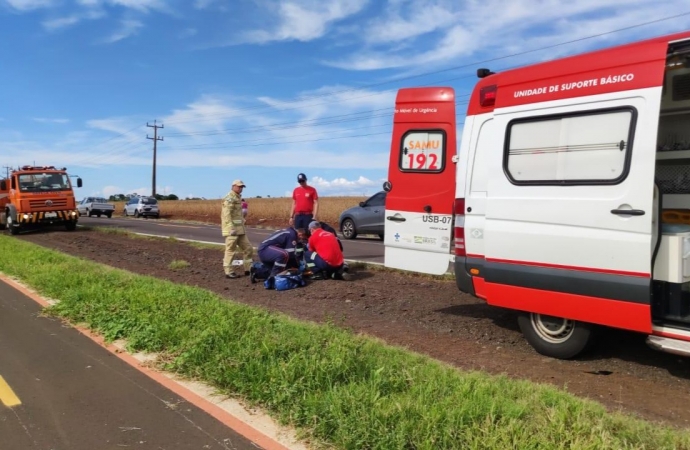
<point>421,181</point>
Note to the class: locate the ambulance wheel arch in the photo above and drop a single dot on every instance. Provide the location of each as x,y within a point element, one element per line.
<point>556,337</point>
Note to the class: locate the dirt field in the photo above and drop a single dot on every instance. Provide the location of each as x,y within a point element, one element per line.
<point>429,317</point>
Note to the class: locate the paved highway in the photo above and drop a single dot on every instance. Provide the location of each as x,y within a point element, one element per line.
<point>60,390</point>
<point>360,249</point>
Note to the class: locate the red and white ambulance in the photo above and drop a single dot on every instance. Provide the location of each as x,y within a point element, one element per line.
<point>568,199</point>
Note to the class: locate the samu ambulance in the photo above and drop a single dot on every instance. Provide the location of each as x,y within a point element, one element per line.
<point>568,199</point>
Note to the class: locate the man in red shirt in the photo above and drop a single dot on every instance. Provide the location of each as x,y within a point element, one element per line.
<point>324,256</point>
<point>305,204</point>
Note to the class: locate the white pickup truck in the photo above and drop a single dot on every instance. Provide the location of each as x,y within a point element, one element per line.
<point>97,206</point>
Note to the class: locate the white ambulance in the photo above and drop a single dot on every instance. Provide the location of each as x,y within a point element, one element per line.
<point>568,199</point>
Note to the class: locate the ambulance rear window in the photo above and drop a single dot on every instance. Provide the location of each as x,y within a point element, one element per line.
<point>423,151</point>
<point>590,147</point>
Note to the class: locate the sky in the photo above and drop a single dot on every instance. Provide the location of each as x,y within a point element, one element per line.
<point>262,90</point>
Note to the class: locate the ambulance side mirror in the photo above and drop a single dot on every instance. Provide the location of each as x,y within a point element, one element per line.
<point>362,204</point>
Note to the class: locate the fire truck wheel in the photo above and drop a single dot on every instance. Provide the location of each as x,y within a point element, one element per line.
<point>554,336</point>
<point>71,226</point>
<point>10,224</point>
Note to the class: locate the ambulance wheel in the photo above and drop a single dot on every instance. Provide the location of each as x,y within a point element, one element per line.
<point>554,336</point>
<point>348,229</point>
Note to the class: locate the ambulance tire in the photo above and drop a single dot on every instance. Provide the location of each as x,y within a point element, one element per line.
<point>554,336</point>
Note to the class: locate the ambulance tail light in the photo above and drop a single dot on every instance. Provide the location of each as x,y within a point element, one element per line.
<point>459,230</point>
<point>487,95</point>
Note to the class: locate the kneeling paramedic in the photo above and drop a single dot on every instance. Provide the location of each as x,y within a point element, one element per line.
<point>324,256</point>
<point>282,250</point>
<point>232,226</point>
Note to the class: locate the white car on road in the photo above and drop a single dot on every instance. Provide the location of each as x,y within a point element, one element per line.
<point>142,206</point>
<point>95,206</point>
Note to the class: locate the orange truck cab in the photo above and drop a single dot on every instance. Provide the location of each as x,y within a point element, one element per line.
<point>35,196</point>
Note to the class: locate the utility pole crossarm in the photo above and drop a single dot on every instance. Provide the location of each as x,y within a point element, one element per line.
<point>155,139</point>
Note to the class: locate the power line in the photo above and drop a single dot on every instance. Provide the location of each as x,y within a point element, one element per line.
<point>462,66</point>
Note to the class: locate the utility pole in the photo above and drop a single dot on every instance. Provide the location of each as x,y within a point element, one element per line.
<point>7,169</point>
<point>155,139</point>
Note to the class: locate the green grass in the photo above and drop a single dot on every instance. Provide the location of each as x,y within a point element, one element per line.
<point>340,389</point>
<point>178,264</point>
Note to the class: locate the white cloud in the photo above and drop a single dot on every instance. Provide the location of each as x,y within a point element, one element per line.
<point>342,183</point>
<point>424,34</point>
<point>128,27</point>
<point>188,32</point>
<point>45,120</point>
<point>111,190</point>
<point>71,20</point>
<point>304,20</point>
<point>139,5</point>
<point>28,5</point>
<point>60,22</point>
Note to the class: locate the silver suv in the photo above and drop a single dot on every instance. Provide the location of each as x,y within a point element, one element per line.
<point>142,206</point>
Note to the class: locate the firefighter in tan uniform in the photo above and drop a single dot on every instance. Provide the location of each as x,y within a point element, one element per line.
<point>232,225</point>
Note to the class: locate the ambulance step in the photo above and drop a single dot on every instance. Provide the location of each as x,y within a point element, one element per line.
<point>669,345</point>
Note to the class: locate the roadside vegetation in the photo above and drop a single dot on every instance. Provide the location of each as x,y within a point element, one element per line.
<point>337,388</point>
<point>261,210</point>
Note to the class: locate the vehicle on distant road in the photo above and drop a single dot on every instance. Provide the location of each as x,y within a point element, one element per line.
<point>95,206</point>
<point>142,207</point>
<point>366,218</point>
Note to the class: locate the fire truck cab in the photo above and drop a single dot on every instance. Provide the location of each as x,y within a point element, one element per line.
<point>568,198</point>
<point>37,196</point>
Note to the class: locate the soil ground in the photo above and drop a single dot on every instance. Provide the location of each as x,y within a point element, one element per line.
<point>424,315</point>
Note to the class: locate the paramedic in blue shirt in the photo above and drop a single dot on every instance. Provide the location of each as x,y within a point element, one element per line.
<point>283,249</point>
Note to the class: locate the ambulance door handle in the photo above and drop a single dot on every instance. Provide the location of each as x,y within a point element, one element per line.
<point>628,212</point>
<point>396,219</point>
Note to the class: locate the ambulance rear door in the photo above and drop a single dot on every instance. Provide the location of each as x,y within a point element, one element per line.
<point>421,181</point>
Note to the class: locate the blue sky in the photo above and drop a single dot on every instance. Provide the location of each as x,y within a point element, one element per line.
<point>259,89</point>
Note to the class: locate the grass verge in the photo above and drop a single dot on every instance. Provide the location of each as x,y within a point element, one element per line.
<point>343,390</point>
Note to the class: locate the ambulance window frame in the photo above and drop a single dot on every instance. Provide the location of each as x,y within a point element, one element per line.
<point>581,182</point>
<point>443,150</point>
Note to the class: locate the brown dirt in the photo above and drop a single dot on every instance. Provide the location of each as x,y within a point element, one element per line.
<point>423,315</point>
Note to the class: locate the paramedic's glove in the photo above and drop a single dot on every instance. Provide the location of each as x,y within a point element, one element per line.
<point>233,233</point>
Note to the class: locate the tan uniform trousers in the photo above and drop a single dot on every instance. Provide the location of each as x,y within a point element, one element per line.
<point>232,243</point>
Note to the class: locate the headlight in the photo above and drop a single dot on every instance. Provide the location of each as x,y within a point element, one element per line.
<point>26,216</point>
<point>74,213</point>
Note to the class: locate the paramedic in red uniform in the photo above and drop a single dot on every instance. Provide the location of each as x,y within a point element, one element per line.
<point>305,203</point>
<point>324,256</point>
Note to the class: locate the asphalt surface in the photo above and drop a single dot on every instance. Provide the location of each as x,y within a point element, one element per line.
<point>76,395</point>
<point>360,249</point>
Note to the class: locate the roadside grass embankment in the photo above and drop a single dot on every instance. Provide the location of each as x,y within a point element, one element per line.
<point>339,389</point>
